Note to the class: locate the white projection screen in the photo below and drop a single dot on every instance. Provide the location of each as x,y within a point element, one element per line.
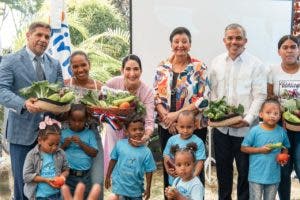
<point>152,21</point>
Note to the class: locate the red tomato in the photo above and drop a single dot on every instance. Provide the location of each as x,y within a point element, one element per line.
<point>282,157</point>
<point>58,181</point>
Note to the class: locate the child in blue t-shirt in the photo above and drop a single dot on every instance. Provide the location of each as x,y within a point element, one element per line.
<point>45,164</point>
<point>186,185</point>
<point>185,127</point>
<point>128,165</point>
<point>80,146</point>
<point>264,171</point>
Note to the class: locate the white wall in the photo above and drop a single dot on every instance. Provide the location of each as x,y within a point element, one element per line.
<point>152,21</point>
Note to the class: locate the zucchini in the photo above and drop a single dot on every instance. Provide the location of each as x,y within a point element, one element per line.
<point>117,102</point>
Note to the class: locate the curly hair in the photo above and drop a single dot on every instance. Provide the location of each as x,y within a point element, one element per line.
<point>190,148</point>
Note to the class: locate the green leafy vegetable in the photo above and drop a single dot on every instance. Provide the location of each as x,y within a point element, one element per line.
<point>40,89</point>
<point>90,99</point>
<point>220,109</point>
<point>290,105</point>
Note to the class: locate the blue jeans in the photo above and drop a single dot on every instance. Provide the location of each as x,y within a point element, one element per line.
<point>56,196</point>
<point>73,180</point>
<point>17,156</point>
<point>284,189</point>
<point>267,191</point>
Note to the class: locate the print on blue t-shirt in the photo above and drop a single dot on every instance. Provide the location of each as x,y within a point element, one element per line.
<point>132,164</point>
<point>192,189</point>
<point>48,171</point>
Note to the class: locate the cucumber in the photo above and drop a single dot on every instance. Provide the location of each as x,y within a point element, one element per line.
<point>117,102</point>
<point>277,145</point>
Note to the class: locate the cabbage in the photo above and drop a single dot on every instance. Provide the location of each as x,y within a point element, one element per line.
<point>290,105</point>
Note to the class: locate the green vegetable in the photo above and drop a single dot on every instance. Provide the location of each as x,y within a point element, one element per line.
<point>290,105</point>
<point>219,115</point>
<point>54,97</point>
<point>211,115</point>
<point>290,117</point>
<point>219,109</point>
<point>68,97</point>
<point>117,102</point>
<point>140,108</point>
<point>40,89</point>
<point>111,96</point>
<point>239,110</point>
<point>102,104</point>
<point>277,145</point>
<point>298,103</point>
<point>90,99</point>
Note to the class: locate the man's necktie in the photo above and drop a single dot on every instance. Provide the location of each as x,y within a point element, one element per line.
<point>39,69</point>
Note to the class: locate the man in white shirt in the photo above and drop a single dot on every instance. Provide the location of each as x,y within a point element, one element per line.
<point>240,77</point>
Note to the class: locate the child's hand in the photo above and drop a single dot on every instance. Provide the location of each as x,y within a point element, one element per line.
<point>67,141</point>
<point>76,139</point>
<point>265,149</point>
<point>146,194</point>
<point>58,181</point>
<point>107,183</point>
<point>171,172</point>
<point>283,158</point>
<point>171,192</point>
<point>52,183</point>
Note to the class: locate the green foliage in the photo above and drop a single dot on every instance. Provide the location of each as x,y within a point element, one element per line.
<point>123,7</point>
<point>97,16</point>
<point>97,28</point>
<point>26,7</point>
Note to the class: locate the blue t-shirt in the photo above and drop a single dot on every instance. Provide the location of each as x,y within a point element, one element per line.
<point>192,189</point>
<point>176,139</point>
<point>76,157</point>
<point>132,164</point>
<point>47,171</point>
<point>263,168</point>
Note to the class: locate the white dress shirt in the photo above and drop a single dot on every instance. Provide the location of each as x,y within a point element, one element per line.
<point>242,81</point>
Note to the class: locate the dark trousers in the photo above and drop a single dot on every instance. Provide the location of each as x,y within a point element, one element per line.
<point>227,148</point>
<point>17,156</point>
<point>165,135</point>
<point>284,189</point>
<point>73,180</point>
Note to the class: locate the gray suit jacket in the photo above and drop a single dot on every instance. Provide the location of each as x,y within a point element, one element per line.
<point>16,72</point>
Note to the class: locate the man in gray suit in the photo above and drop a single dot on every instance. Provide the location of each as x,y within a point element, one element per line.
<point>19,70</point>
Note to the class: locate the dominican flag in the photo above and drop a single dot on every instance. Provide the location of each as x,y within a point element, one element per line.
<point>60,42</point>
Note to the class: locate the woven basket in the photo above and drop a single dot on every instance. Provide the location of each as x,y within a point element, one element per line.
<point>292,126</point>
<point>53,106</point>
<point>113,111</point>
<point>227,121</point>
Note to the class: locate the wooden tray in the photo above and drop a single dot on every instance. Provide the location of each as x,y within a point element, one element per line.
<point>292,126</point>
<point>53,106</point>
<point>227,121</point>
